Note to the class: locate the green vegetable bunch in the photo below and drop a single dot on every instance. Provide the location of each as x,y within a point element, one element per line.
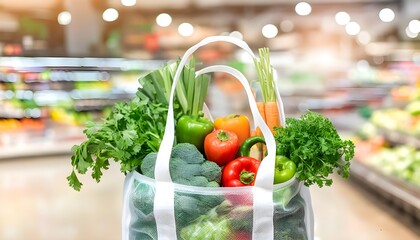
<point>127,135</point>
<point>313,143</point>
<point>135,128</point>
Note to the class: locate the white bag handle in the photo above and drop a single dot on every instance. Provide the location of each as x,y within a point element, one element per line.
<point>263,187</point>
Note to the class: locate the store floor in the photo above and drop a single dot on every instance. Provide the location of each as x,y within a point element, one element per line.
<point>36,203</point>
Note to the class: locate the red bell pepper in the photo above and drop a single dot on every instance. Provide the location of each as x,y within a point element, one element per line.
<point>240,172</point>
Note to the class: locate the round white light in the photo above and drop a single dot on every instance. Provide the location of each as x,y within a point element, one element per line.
<point>363,37</point>
<point>352,28</point>
<point>414,26</point>
<point>164,20</point>
<point>236,34</point>
<point>386,15</point>
<point>409,33</point>
<point>269,31</point>
<point>110,15</point>
<point>342,18</point>
<point>303,8</point>
<point>362,65</point>
<point>64,18</point>
<point>185,29</point>
<point>128,3</point>
<point>287,26</point>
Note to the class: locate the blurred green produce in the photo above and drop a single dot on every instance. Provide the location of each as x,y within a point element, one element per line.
<point>402,162</point>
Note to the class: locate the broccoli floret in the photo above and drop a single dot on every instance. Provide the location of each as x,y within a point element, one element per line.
<point>148,165</point>
<point>211,171</point>
<point>188,152</point>
<point>187,166</point>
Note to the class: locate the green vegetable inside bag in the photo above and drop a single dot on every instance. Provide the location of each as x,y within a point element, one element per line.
<point>143,224</point>
<point>214,225</point>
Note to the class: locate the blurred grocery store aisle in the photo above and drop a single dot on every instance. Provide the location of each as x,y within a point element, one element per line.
<point>345,211</point>
<point>36,203</point>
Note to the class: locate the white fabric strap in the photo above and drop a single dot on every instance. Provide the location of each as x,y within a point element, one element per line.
<point>126,216</point>
<point>263,188</point>
<point>164,192</point>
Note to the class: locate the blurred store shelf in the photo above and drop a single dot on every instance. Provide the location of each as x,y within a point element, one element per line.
<point>54,140</point>
<point>399,194</point>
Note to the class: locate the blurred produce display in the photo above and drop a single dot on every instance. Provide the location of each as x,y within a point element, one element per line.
<point>402,162</point>
<point>390,142</point>
<point>68,91</point>
<point>388,150</point>
<point>397,120</point>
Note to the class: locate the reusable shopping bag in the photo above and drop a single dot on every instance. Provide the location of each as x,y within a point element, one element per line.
<point>158,209</point>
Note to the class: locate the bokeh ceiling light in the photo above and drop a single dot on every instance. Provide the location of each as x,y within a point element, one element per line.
<point>110,15</point>
<point>185,29</point>
<point>128,3</point>
<point>409,33</point>
<point>342,18</point>
<point>414,26</point>
<point>362,65</point>
<point>352,28</point>
<point>64,18</point>
<point>163,20</point>
<point>386,15</point>
<point>287,26</point>
<point>303,8</point>
<point>363,37</point>
<point>269,31</point>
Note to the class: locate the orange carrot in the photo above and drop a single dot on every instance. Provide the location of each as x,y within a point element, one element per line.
<point>261,109</point>
<point>271,115</point>
<point>261,147</point>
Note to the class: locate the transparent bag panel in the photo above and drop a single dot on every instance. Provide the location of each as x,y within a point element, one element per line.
<point>215,213</point>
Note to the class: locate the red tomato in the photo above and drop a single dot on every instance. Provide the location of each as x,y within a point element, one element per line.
<point>221,146</point>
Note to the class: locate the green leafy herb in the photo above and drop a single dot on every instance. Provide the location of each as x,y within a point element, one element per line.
<point>313,143</point>
<point>135,129</point>
<point>127,135</point>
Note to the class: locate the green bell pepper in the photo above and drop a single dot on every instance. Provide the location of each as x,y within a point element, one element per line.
<point>245,148</point>
<point>193,129</point>
<point>285,169</point>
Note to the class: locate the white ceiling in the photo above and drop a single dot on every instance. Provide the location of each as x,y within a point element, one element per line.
<point>157,4</point>
<point>365,13</point>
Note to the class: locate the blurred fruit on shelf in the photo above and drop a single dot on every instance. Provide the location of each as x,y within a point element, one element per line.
<point>33,124</point>
<point>402,162</point>
<point>21,124</point>
<point>397,120</point>
<point>405,93</point>
<point>71,117</point>
<point>413,108</point>
<point>9,124</point>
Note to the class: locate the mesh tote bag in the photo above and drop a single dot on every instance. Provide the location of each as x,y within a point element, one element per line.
<point>159,209</point>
